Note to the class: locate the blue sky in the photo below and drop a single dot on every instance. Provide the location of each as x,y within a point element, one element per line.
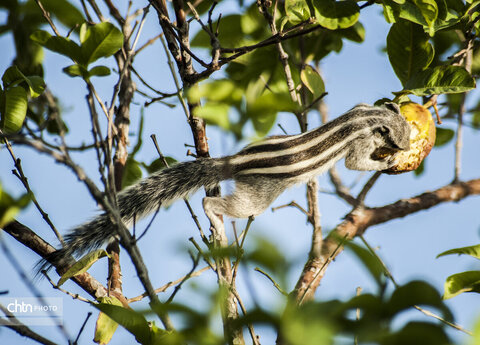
<point>360,73</point>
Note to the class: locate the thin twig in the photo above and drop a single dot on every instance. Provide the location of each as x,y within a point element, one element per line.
<point>291,204</point>
<point>363,193</point>
<point>46,15</point>
<point>21,176</point>
<point>277,286</point>
<point>82,328</point>
<point>14,324</point>
<point>251,330</point>
<point>55,286</point>
<point>169,284</point>
<point>190,209</point>
<point>29,284</point>
<point>185,278</point>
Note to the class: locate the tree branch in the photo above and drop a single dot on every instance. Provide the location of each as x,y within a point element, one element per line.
<point>360,219</point>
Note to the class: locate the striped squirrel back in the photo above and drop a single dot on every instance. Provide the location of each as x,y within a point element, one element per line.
<point>261,172</point>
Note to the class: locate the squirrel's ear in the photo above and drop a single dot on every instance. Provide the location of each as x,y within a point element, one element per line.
<point>393,107</point>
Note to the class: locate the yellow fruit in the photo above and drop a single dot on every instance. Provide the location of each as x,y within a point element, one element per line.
<point>422,138</point>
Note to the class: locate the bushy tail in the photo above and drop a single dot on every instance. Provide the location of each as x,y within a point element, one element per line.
<point>140,199</point>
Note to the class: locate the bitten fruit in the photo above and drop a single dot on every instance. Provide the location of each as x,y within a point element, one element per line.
<point>422,138</point>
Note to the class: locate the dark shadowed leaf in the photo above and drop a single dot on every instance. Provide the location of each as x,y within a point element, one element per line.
<point>77,71</point>
<point>99,71</point>
<point>417,293</point>
<point>408,49</point>
<point>371,262</point>
<point>417,333</point>
<point>443,136</point>
<point>158,164</point>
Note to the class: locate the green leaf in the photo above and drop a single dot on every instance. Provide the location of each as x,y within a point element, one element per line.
<point>64,11</point>
<point>77,70</point>
<point>420,170</point>
<point>416,333</point>
<point>105,326</point>
<point>36,85</point>
<point>355,33</point>
<point>429,10</point>
<point>408,50</point>
<point>100,40</point>
<point>82,265</point>
<point>12,75</point>
<point>443,136</point>
<point>9,207</point>
<point>132,173</point>
<point>312,80</point>
<point>230,33</point>
<point>297,11</point>
<point>336,14</point>
<point>131,320</point>
<point>61,45</point>
<point>468,281</point>
<point>158,164</point>
<point>15,109</point>
<point>417,293</point>
<point>215,114</point>
<point>99,71</point>
<point>476,119</point>
<point>470,250</point>
<point>440,80</point>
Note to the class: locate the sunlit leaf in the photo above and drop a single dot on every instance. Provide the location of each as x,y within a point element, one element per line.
<point>313,81</point>
<point>100,40</point>
<point>215,114</point>
<point>131,320</point>
<point>15,109</point>
<point>336,14</point>
<point>105,327</point>
<point>440,80</point>
<point>297,11</point>
<point>82,265</point>
<point>9,206</point>
<point>61,45</point>
<point>429,10</point>
<point>468,281</point>
<point>470,250</point>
